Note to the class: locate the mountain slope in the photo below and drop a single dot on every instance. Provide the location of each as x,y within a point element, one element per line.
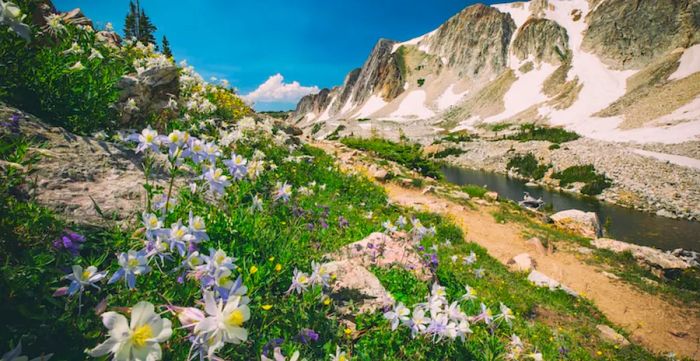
<point>574,63</point>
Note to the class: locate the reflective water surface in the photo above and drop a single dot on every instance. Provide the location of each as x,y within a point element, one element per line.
<point>622,223</point>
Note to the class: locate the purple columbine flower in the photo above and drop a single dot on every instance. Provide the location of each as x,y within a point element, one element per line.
<point>13,123</point>
<point>70,242</point>
<point>342,222</point>
<point>310,226</point>
<point>307,335</point>
<point>324,224</point>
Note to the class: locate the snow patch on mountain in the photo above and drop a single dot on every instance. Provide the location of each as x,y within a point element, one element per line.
<point>449,98</point>
<point>413,105</point>
<point>373,104</point>
<point>689,63</point>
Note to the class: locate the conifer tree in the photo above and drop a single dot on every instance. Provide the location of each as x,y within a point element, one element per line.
<point>165,47</point>
<point>138,25</point>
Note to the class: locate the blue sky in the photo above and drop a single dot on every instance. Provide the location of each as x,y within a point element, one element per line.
<point>312,42</point>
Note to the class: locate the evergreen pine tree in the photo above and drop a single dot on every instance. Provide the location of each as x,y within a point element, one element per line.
<point>146,29</point>
<point>138,25</point>
<point>165,46</point>
<point>130,29</point>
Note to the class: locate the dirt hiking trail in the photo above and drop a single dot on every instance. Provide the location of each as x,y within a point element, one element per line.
<point>651,321</point>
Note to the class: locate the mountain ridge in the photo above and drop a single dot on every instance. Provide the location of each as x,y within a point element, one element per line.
<point>483,64</point>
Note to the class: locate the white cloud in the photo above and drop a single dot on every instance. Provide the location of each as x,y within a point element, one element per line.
<point>274,89</point>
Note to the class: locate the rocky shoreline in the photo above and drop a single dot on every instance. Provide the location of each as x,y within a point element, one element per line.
<point>640,182</point>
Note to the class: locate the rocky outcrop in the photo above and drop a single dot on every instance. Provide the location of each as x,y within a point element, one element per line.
<point>379,75</point>
<point>610,335</point>
<point>544,39</point>
<point>147,92</point>
<point>583,223</point>
<point>475,41</point>
<point>81,177</point>
<point>630,34</point>
<point>358,286</point>
<point>646,255</point>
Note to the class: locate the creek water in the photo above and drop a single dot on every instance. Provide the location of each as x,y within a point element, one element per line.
<point>621,223</point>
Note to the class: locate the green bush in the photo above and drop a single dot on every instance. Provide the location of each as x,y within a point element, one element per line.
<point>41,77</point>
<point>336,133</point>
<point>406,154</point>
<point>316,128</point>
<point>594,183</point>
<point>448,152</point>
<point>527,166</point>
<point>530,132</point>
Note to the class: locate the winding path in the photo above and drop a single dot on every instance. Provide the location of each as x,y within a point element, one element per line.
<point>650,320</point>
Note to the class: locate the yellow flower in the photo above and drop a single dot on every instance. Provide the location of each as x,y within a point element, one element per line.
<point>253,269</point>
<point>348,331</point>
<point>266,307</point>
<point>278,267</point>
<point>271,259</point>
<point>327,301</point>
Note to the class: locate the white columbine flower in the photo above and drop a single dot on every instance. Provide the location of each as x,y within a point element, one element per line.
<point>257,205</point>
<point>132,263</point>
<point>224,321</point>
<point>470,294</point>
<point>339,355</point>
<point>283,192</point>
<point>95,54</point>
<point>138,340</point>
<point>80,278</point>
<point>400,314</point>
<point>300,282</point>
<point>506,314</point>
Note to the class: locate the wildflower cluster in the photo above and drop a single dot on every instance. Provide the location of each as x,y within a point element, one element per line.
<point>439,319</point>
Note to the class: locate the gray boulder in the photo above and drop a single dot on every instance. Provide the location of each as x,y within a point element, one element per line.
<point>151,90</point>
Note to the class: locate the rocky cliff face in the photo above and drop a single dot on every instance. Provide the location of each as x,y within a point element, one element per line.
<point>475,41</point>
<point>544,39</point>
<point>629,34</point>
<point>562,62</point>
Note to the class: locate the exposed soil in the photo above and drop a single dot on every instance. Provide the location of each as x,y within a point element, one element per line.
<point>649,319</point>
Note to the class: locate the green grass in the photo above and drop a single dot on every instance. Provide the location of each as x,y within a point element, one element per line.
<point>406,154</point>
<point>529,132</point>
<point>527,166</point>
<point>594,183</point>
<point>474,191</point>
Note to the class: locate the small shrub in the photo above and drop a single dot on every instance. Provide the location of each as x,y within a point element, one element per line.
<point>527,166</point>
<point>316,128</point>
<point>594,183</point>
<point>554,146</point>
<point>530,132</point>
<point>336,133</point>
<point>421,81</point>
<point>448,152</point>
<point>406,154</point>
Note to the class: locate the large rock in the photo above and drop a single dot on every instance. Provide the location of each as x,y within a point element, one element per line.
<point>356,285</point>
<point>647,255</point>
<point>151,90</point>
<point>522,262</point>
<point>542,280</point>
<point>379,249</point>
<point>630,34</point>
<point>75,173</point>
<point>583,223</point>
<point>610,335</point>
